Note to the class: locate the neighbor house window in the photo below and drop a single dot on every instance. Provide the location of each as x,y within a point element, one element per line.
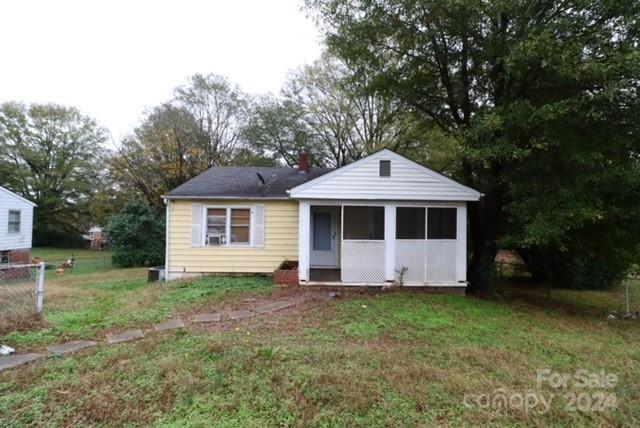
<point>228,226</point>
<point>385,168</point>
<point>5,257</point>
<point>363,223</point>
<point>441,223</point>
<point>410,223</point>
<point>14,221</point>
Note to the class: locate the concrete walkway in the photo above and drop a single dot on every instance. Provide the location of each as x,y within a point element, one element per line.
<point>17,360</point>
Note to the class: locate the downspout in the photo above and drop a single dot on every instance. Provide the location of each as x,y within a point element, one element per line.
<point>166,246</point>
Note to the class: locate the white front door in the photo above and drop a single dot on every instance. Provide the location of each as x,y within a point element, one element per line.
<point>324,247</point>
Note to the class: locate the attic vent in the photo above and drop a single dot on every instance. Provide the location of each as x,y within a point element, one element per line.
<point>385,168</point>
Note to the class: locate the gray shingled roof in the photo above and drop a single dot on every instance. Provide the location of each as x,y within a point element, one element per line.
<point>243,182</point>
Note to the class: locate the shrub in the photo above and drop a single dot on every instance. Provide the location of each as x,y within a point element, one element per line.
<point>137,236</point>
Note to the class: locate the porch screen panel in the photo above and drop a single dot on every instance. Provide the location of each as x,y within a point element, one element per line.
<point>363,246</point>
<point>410,222</point>
<point>363,223</point>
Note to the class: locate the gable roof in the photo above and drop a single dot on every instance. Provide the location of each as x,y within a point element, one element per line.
<point>244,183</point>
<point>15,195</point>
<point>408,181</point>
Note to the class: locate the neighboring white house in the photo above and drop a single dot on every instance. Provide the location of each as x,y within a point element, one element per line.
<point>16,227</point>
<point>381,220</point>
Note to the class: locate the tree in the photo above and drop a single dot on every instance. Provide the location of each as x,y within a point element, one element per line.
<point>276,130</point>
<point>137,236</point>
<point>53,156</point>
<point>220,111</point>
<point>541,97</point>
<point>345,118</point>
<point>199,128</point>
<point>166,150</point>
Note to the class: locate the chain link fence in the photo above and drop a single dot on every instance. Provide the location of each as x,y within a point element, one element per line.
<point>21,291</point>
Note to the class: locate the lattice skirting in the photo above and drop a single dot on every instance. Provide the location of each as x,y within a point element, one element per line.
<point>363,261</point>
<point>426,261</point>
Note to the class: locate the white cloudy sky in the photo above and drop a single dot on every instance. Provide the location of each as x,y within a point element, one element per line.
<point>114,58</point>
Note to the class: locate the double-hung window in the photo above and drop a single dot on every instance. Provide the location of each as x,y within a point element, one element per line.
<point>228,226</point>
<point>14,221</point>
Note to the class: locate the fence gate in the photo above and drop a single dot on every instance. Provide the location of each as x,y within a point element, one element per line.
<point>21,291</point>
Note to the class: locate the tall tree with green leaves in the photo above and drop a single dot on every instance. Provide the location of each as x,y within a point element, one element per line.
<point>542,97</point>
<point>53,156</point>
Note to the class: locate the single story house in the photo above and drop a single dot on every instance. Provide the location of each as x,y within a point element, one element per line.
<point>16,228</point>
<point>380,220</point>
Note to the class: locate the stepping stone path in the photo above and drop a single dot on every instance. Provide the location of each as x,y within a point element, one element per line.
<point>276,306</point>
<point>17,360</point>
<point>129,335</point>
<point>240,315</point>
<point>207,317</point>
<point>69,347</point>
<point>169,325</point>
<point>125,336</point>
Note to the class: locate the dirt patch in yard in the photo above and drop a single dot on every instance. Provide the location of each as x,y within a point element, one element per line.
<point>302,301</point>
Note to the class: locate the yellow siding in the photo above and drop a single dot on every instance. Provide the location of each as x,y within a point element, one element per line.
<point>281,241</point>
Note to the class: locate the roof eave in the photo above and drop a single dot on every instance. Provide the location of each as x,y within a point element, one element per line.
<point>275,198</point>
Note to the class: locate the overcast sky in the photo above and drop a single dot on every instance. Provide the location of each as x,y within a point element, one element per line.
<point>114,58</point>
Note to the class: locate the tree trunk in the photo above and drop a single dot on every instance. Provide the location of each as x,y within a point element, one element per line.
<point>484,216</point>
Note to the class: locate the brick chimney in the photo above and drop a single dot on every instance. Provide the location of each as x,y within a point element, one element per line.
<point>303,162</point>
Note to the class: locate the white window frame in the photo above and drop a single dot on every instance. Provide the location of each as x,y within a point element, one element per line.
<point>228,243</point>
<point>14,232</point>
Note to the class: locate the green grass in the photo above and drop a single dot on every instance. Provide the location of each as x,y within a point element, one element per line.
<point>87,261</point>
<point>383,359</point>
<point>83,306</point>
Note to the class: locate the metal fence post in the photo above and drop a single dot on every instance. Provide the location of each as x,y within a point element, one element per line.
<point>40,290</point>
<point>626,294</point>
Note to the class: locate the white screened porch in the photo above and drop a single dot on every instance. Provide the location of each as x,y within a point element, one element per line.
<point>377,243</point>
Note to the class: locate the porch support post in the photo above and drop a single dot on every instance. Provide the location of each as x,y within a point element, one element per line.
<point>390,242</point>
<point>461,243</point>
<point>304,234</point>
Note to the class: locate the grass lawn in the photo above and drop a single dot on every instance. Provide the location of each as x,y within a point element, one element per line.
<point>87,261</point>
<point>383,359</point>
